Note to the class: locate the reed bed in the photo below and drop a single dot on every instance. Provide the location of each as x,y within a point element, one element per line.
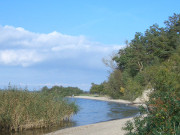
<point>21,110</point>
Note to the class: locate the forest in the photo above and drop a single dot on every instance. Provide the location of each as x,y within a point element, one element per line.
<point>137,63</point>
<point>149,61</point>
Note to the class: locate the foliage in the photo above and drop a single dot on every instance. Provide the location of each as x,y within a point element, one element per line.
<point>114,84</point>
<point>163,116</point>
<point>97,89</point>
<point>151,60</point>
<point>21,109</point>
<point>62,91</point>
<point>134,87</point>
<point>144,52</point>
<point>112,88</point>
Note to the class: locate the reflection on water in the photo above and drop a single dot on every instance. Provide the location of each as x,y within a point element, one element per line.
<point>94,111</point>
<point>91,111</point>
<point>119,111</point>
<point>42,130</point>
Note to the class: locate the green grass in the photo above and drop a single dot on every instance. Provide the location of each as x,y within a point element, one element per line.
<point>21,110</point>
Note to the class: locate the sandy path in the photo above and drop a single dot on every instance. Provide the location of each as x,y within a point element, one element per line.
<point>105,128</point>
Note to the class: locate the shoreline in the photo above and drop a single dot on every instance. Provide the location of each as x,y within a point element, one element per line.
<point>104,99</point>
<point>113,127</point>
<point>127,102</point>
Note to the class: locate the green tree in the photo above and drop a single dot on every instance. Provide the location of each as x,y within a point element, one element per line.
<point>163,115</point>
<point>97,89</point>
<point>45,89</point>
<point>114,84</point>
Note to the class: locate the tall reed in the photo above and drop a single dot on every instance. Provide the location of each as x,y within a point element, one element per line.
<point>21,110</point>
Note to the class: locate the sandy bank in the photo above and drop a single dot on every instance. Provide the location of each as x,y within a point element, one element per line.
<point>105,99</point>
<point>112,100</point>
<point>104,128</point>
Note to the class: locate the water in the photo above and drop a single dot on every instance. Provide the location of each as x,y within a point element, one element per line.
<point>91,111</point>
<point>94,111</point>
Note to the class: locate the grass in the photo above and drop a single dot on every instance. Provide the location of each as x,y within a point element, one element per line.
<point>20,110</point>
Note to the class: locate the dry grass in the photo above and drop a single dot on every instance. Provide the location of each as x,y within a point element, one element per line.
<point>21,110</point>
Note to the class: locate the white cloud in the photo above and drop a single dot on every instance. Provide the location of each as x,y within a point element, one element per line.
<point>21,47</point>
<point>19,57</point>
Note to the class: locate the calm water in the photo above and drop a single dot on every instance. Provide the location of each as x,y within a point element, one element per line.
<point>91,111</point>
<point>94,111</point>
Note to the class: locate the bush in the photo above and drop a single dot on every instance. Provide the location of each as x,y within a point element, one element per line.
<point>163,109</point>
<point>133,89</point>
<point>114,84</point>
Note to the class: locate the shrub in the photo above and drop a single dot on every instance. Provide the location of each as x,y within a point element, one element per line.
<point>163,109</point>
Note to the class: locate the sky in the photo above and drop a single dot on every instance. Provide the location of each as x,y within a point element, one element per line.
<point>63,42</point>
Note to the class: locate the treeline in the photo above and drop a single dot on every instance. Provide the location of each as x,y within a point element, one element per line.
<point>62,91</point>
<point>136,62</point>
<point>162,115</point>
<point>150,61</point>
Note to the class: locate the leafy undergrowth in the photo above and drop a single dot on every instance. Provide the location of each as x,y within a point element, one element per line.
<point>163,109</point>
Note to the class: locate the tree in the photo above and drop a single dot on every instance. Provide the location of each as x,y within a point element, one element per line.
<point>114,84</point>
<point>97,89</point>
<point>45,89</point>
<point>163,115</point>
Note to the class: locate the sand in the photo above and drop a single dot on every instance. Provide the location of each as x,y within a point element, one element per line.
<point>104,128</point>
<point>105,99</point>
<point>127,102</point>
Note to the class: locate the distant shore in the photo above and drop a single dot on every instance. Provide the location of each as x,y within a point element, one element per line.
<point>104,128</point>
<point>112,100</point>
<point>105,99</point>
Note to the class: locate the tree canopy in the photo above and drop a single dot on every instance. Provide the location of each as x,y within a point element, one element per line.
<point>151,48</point>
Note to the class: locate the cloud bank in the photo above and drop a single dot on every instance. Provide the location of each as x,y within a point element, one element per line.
<point>24,48</point>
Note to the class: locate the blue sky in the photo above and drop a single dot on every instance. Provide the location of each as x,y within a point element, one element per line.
<point>62,42</point>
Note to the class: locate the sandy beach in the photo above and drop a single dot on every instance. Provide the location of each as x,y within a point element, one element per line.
<point>134,103</point>
<point>104,128</point>
<point>105,99</point>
